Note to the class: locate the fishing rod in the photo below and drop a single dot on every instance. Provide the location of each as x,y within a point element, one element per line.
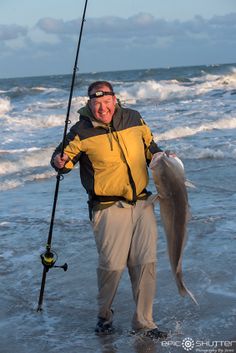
<point>49,257</point>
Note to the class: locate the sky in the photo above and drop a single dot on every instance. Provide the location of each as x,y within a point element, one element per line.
<point>40,37</point>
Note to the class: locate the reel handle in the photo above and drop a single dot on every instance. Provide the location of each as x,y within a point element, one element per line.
<point>64,267</point>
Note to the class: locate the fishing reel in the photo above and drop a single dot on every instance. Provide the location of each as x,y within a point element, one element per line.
<point>49,259</point>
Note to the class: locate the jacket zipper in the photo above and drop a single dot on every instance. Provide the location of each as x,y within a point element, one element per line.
<point>109,134</point>
<point>131,180</point>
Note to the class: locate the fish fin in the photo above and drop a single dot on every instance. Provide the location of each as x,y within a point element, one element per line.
<point>152,199</point>
<point>189,213</point>
<point>189,184</point>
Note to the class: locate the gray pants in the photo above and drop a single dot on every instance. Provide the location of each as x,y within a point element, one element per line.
<point>126,236</point>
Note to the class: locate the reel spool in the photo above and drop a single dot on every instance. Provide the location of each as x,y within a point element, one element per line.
<point>49,259</point>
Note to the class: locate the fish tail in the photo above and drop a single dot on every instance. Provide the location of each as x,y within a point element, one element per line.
<point>183,290</point>
<point>191,296</point>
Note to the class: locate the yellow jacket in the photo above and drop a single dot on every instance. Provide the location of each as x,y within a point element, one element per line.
<point>113,158</point>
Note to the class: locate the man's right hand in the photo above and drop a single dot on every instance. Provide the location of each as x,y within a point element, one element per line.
<point>59,161</point>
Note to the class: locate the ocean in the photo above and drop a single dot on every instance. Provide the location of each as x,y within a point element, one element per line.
<point>191,111</point>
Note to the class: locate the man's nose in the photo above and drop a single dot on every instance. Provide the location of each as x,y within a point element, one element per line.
<point>102,107</point>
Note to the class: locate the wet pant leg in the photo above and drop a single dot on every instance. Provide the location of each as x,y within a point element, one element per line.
<point>112,229</point>
<point>142,265</point>
<point>108,282</point>
<point>143,279</point>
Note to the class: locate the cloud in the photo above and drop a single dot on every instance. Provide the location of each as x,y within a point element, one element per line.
<point>55,26</point>
<point>9,32</point>
<point>142,24</point>
<point>115,43</point>
<point>227,20</point>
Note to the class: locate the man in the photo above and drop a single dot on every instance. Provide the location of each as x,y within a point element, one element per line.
<point>114,146</point>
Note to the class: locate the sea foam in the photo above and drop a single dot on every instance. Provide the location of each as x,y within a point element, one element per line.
<point>5,106</point>
<point>165,90</point>
<point>32,159</point>
<point>184,131</point>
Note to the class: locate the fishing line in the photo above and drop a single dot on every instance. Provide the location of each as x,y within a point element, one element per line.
<point>49,257</point>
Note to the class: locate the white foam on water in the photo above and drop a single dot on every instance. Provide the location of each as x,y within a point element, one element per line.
<point>5,106</point>
<point>40,176</point>
<point>33,159</point>
<point>189,151</point>
<point>36,122</point>
<point>46,89</point>
<point>152,89</point>
<point>173,89</point>
<point>77,102</point>
<point>208,153</point>
<point>9,184</point>
<point>4,224</point>
<point>8,253</point>
<point>184,131</point>
<point>216,81</point>
<point>22,90</point>
<point>44,105</point>
<point>20,150</point>
<point>33,117</point>
<point>233,154</point>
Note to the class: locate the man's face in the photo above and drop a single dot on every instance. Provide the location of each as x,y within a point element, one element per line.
<point>103,108</point>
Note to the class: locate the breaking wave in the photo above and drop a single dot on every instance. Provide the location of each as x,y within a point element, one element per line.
<point>165,90</point>
<point>180,132</point>
<point>33,158</point>
<point>21,91</point>
<point>35,122</point>
<point>206,153</point>
<point>5,106</point>
<point>8,184</point>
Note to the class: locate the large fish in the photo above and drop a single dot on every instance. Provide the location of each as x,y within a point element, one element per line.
<point>169,178</point>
